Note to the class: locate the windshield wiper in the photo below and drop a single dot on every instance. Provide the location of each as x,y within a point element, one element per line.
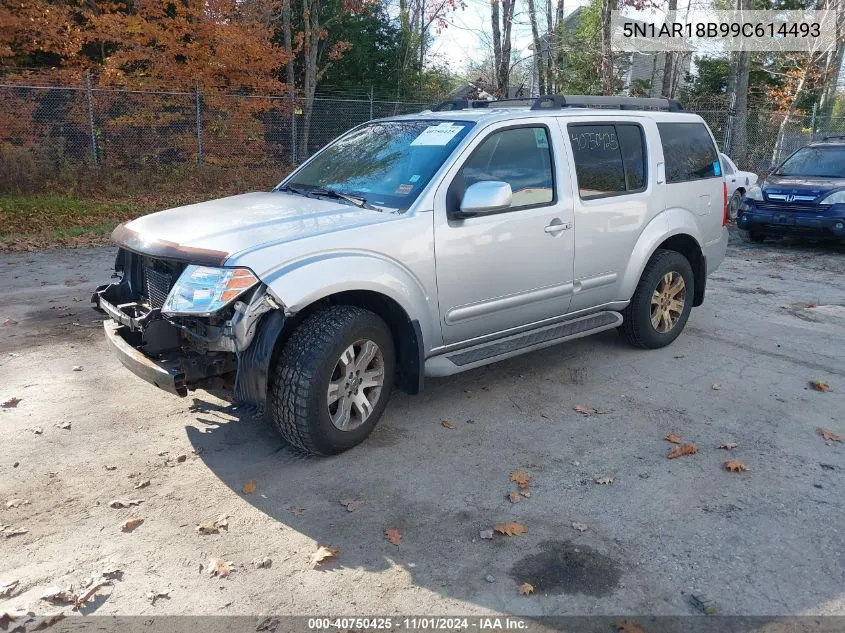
<point>358,201</point>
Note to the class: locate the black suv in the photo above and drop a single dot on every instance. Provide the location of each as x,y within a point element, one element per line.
<point>804,195</point>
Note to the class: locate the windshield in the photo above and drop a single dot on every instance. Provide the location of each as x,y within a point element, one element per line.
<point>819,162</point>
<point>386,163</point>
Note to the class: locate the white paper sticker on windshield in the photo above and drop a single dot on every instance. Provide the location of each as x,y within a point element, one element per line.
<point>437,134</point>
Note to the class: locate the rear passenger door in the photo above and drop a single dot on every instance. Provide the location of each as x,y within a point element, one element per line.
<point>615,198</point>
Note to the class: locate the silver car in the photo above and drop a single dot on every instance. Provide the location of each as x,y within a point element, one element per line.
<point>424,245</point>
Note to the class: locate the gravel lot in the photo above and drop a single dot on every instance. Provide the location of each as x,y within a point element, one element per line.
<point>770,541</point>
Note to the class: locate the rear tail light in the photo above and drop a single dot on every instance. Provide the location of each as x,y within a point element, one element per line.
<point>725,209</point>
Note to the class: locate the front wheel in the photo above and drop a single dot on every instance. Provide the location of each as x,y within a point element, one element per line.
<point>332,379</point>
<point>662,302</point>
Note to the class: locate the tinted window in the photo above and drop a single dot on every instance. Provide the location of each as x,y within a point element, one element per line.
<point>821,161</point>
<point>727,166</point>
<point>520,157</point>
<point>609,159</point>
<point>688,151</point>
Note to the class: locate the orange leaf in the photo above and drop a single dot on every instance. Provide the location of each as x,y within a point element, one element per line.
<point>249,487</point>
<point>131,524</point>
<point>626,626</point>
<point>447,425</point>
<point>829,436</point>
<point>514,497</point>
<point>526,588</point>
<point>520,478</point>
<point>393,535</point>
<point>511,529</point>
<point>683,449</point>
<point>819,385</point>
<point>672,437</point>
<point>11,403</point>
<point>324,554</point>
<point>734,466</point>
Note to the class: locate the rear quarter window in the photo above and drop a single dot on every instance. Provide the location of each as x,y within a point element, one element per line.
<point>689,152</point>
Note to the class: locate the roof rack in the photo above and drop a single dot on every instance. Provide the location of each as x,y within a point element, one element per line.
<point>548,102</point>
<point>835,137</point>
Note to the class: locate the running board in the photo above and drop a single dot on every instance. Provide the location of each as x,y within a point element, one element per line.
<point>500,349</point>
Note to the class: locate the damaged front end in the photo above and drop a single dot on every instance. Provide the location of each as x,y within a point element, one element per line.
<point>161,334</point>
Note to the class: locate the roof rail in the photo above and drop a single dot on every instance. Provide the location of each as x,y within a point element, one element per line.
<point>593,101</point>
<point>459,104</point>
<point>835,137</point>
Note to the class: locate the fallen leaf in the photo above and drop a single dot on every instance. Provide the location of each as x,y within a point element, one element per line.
<point>514,497</point>
<point>63,425</point>
<point>9,322</point>
<point>626,626</point>
<point>54,594</point>
<point>47,620</point>
<point>110,467</point>
<point>677,356</point>
<point>297,511</point>
<point>142,484</point>
<point>351,504</point>
<point>112,573</point>
<point>819,385</point>
<point>520,478</point>
<point>728,446</point>
<point>526,588</point>
<point>511,529</point>
<point>118,503</point>
<point>182,458</point>
<point>6,588</point>
<point>588,411</point>
<point>207,528</point>
<point>486,534</point>
<point>581,527</point>
<point>717,386</point>
<point>77,368</point>
<point>131,524</point>
<point>606,480</point>
<point>8,531</point>
<point>219,567</point>
<point>393,535</point>
<point>734,466</point>
<point>324,554</point>
<point>14,503</point>
<point>828,435</point>
<point>85,597</point>
<point>526,494</point>
<point>672,437</point>
<point>262,563</point>
<point>154,595</point>
<point>447,425</point>
<point>10,616</point>
<point>249,487</point>
<point>683,449</point>
<point>37,430</point>
<point>222,521</point>
<point>11,403</point>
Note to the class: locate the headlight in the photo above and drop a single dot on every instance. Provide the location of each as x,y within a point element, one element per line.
<point>837,197</point>
<point>754,193</point>
<point>202,290</point>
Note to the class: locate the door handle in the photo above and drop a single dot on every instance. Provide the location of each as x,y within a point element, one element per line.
<point>557,226</point>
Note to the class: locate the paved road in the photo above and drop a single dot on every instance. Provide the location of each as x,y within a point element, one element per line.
<point>768,541</point>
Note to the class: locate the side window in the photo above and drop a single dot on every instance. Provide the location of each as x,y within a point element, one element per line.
<point>610,159</point>
<point>727,169</point>
<point>521,157</point>
<point>688,151</point>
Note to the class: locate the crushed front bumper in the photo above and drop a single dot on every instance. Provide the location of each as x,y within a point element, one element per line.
<point>164,374</point>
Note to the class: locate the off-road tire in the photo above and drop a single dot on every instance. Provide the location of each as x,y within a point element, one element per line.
<point>636,326</point>
<point>752,237</point>
<point>298,400</point>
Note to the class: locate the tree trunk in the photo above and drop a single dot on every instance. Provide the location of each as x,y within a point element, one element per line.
<point>550,38</point>
<point>311,34</point>
<point>739,137</point>
<point>290,78</point>
<point>497,41</point>
<point>831,77</point>
<point>607,71</point>
<point>669,63</point>
<point>792,107</point>
<point>505,63</point>
<point>539,62</point>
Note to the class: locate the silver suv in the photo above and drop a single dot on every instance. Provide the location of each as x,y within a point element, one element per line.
<point>424,245</point>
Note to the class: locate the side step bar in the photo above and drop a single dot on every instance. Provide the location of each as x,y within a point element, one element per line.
<point>471,357</point>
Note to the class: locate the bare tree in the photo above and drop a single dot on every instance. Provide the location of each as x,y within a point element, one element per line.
<point>669,63</point>
<point>502,22</point>
<point>539,62</point>
<point>608,74</point>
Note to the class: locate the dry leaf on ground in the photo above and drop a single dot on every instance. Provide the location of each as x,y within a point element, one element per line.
<point>154,595</point>
<point>11,403</point>
<point>249,487</point>
<point>119,503</point>
<point>728,446</point>
<point>393,535</point>
<point>64,596</point>
<point>65,426</point>
<point>219,567</point>
<point>626,626</point>
<point>6,588</point>
<point>351,504</point>
<point>8,531</point>
<point>262,562</point>
<point>85,597</point>
<point>324,555</point>
<point>214,527</point>
<point>77,368</point>
<point>514,497</point>
<point>9,322</point>
<point>819,385</point>
<point>297,511</point>
<point>581,527</point>
<point>717,386</point>
<point>511,529</point>
<point>520,478</point>
<point>446,424</point>
<point>828,435</point>
<point>683,449</point>
<point>14,503</point>
<point>606,480</point>
<point>672,437</point>
<point>588,411</point>
<point>131,524</point>
<point>526,588</point>
<point>734,466</point>
<point>142,484</point>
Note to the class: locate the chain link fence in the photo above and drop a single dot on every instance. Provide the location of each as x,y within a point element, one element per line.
<point>48,129</point>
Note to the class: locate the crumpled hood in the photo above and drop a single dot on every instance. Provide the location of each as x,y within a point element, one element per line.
<point>801,185</point>
<point>231,225</point>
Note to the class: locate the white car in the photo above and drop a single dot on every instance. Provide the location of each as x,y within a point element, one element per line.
<point>738,182</point>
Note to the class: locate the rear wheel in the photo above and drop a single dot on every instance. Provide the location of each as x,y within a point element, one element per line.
<point>662,302</point>
<point>332,380</point>
<point>733,204</point>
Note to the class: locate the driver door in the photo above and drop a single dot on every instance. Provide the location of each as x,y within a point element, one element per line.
<point>508,268</point>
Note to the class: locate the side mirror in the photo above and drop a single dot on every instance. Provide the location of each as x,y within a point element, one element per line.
<point>486,197</point>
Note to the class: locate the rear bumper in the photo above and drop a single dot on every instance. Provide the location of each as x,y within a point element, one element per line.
<point>822,223</point>
<point>167,374</point>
